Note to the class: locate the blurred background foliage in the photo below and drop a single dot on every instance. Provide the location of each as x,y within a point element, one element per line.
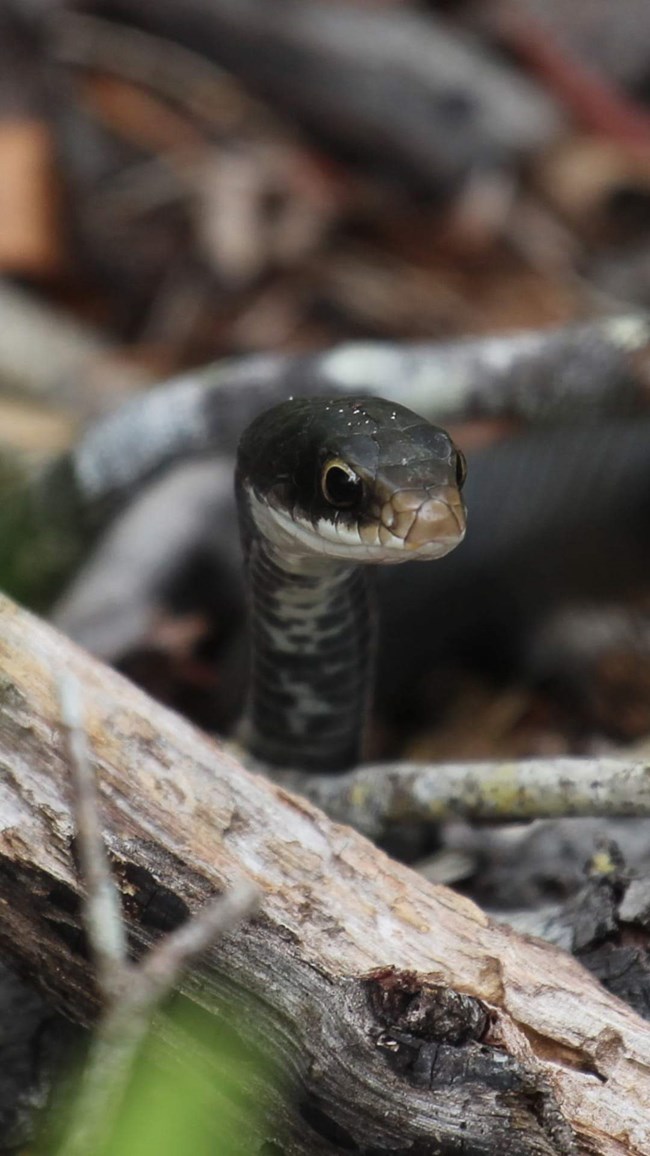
<point>188,181</point>
<point>195,1088</point>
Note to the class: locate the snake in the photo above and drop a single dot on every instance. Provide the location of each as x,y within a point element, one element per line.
<point>327,488</point>
<point>548,506</point>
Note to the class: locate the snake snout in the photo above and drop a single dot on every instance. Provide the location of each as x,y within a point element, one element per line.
<point>425,523</point>
<point>438,524</point>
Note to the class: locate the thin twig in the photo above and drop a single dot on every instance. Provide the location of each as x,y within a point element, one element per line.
<point>120,1034</point>
<point>160,969</point>
<point>102,905</point>
<point>128,1006</point>
<point>373,798</point>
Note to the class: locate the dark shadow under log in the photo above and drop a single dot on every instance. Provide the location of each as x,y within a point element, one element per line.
<point>402,1019</point>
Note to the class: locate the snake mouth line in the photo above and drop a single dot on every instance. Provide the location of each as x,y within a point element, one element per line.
<point>414,524</point>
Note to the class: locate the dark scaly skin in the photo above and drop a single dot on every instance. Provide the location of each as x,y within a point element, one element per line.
<point>311,629</point>
<point>308,693</point>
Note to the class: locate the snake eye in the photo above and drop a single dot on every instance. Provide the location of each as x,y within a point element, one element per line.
<point>461,469</point>
<point>340,485</point>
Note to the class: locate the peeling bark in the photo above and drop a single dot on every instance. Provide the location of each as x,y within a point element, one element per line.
<point>402,1019</point>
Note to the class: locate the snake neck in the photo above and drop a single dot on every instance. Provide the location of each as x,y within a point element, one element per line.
<point>311,641</point>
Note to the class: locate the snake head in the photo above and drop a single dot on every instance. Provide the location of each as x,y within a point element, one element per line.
<point>353,479</point>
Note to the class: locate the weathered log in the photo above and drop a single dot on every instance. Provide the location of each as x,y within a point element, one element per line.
<point>404,1020</point>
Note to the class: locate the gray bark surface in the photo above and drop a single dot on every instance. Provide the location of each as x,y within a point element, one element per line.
<point>402,1019</point>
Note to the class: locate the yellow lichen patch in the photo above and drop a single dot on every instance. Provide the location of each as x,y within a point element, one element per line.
<point>505,790</point>
<point>602,863</point>
<point>358,794</point>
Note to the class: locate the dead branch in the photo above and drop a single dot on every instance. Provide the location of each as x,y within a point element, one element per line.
<point>372,798</point>
<point>402,1017</point>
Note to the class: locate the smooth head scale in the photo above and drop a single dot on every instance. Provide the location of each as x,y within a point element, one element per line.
<point>352,479</point>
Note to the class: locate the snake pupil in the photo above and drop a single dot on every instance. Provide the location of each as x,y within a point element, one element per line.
<point>341,486</point>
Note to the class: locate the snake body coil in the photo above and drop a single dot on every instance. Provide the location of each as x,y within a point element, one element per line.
<point>325,486</point>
